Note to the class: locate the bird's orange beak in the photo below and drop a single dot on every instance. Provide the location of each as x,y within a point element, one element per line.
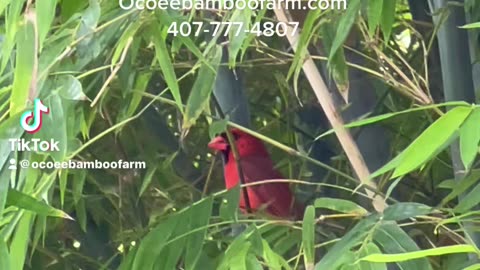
<point>218,144</point>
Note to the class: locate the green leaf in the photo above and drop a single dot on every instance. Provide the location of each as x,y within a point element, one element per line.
<point>386,116</point>
<point>366,250</point>
<point>272,259</point>
<point>375,8</point>
<point>470,138</point>
<point>4,256</point>
<point>19,244</point>
<point>4,186</point>
<point>62,183</point>
<point>170,256</point>
<point>471,25</point>
<point>89,46</point>
<point>147,179</point>
<point>252,263</point>
<point>461,186</point>
<point>45,15</point>
<point>468,201</point>
<point>40,229</point>
<point>154,242</point>
<point>344,26</point>
<point>229,205</point>
<point>337,65</point>
<point>259,16</point>
<point>12,23</point>
<point>81,214</point>
<point>9,129</point>
<point>127,263</point>
<point>141,84</point>
<point>166,65</point>
<point>199,217</point>
<point>3,5</point>
<point>340,205</point>
<point>236,253</point>
<point>123,41</point>
<point>393,239</point>
<point>77,184</point>
<point>202,89</point>
<point>338,254</point>
<point>473,267</point>
<point>24,201</point>
<point>301,51</point>
<point>420,254</point>
<point>433,140</point>
<point>308,236</point>
<point>54,127</point>
<point>287,242</point>
<point>388,18</point>
<point>242,16</point>
<point>71,88</point>
<point>69,8</point>
<point>24,68</point>
<point>401,211</point>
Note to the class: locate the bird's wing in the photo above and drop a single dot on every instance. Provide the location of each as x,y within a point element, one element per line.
<point>277,196</point>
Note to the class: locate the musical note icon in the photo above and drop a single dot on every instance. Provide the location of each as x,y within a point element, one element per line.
<point>35,115</point>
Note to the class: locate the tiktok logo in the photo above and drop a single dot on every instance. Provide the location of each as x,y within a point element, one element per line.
<point>35,115</point>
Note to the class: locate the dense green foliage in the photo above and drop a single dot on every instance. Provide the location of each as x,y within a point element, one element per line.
<point>119,87</point>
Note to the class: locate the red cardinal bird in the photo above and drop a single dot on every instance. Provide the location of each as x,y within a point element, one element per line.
<point>256,165</point>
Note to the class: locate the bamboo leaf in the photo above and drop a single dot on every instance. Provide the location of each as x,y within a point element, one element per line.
<point>433,140</point>
<point>45,15</point>
<point>24,68</point>
<point>368,249</point>
<point>388,18</point>
<point>130,32</point>
<point>242,16</point>
<point>344,27</point>
<point>154,242</point>
<point>379,118</point>
<point>468,201</point>
<point>340,205</point>
<point>338,254</point>
<point>163,58</point>
<point>147,179</point>
<point>471,25</point>
<point>71,88</point>
<point>24,201</point>
<point>229,205</point>
<point>4,256</point>
<point>375,11</point>
<point>470,138</point>
<point>439,251</point>
<point>199,217</point>
<point>308,237</point>
<point>19,244</point>
<point>401,211</point>
<point>393,239</point>
<point>272,259</point>
<point>12,25</point>
<point>202,88</point>
<point>461,186</point>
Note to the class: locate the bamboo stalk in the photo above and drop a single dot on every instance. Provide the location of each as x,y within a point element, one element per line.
<point>346,140</point>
